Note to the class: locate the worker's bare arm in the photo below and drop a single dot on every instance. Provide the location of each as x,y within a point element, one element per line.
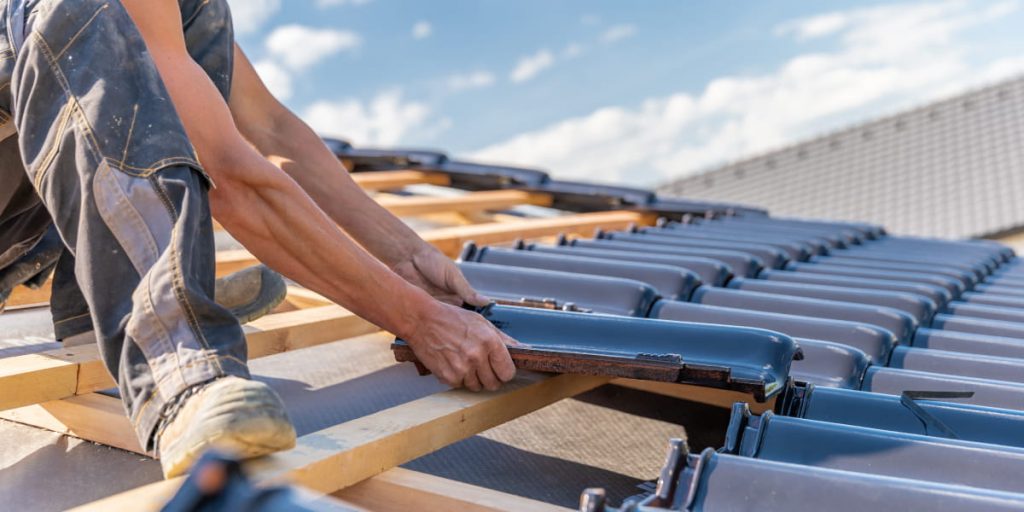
<point>275,219</point>
<point>288,142</point>
<point>255,201</point>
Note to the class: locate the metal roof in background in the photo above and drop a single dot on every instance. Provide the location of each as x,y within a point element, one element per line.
<point>950,169</point>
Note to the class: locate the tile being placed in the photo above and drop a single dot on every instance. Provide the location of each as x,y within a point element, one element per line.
<point>753,361</point>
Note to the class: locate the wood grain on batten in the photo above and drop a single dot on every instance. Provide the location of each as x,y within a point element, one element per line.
<point>340,456</point>
<point>470,202</point>
<point>388,180</point>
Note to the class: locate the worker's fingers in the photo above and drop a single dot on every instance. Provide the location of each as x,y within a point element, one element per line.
<point>443,369</point>
<point>211,477</point>
<point>450,299</point>
<point>461,286</point>
<point>509,341</point>
<point>485,374</point>
<point>479,300</point>
<point>460,368</point>
<point>472,382</point>
<point>501,363</point>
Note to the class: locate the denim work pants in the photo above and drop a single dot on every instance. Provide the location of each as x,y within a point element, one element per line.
<point>103,149</point>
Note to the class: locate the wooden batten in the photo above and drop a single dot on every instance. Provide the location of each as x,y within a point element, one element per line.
<point>466,204</point>
<point>63,373</point>
<point>471,202</point>
<point>93,417</point>
<point>25,297</point>
<point>301,298</point>
<point>343,455</point>
<point>400,490</point>
<point>388,180</point>
<point>450,240</point>
<point>101,418</point>
<point>723,398</point>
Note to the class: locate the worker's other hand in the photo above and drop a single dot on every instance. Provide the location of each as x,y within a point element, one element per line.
<point>463,349</point>
<point>438,275</point>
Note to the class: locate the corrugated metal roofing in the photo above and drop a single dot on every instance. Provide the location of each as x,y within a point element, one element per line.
<point>952,169</point>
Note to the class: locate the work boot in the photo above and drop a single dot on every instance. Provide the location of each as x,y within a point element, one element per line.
<point>239,417</point>
<point>249,294</point>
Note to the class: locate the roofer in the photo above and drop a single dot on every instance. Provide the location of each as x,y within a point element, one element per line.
<point>127,124</point>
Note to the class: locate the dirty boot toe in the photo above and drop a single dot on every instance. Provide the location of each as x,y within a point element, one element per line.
<point>240,417</point>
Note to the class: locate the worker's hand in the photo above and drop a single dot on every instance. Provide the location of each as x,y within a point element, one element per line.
<point>438,275</point>
<point>463,349</point>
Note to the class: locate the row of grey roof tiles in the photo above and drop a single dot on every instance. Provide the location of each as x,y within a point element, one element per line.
<point>905,389</point>
<point>566,195</point>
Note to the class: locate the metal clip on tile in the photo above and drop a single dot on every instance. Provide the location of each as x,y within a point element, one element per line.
<point>932,425</point>
<point>549,304</point>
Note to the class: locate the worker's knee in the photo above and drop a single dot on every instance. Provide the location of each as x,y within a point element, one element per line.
<point>143,214</point>
<point>88,92</point>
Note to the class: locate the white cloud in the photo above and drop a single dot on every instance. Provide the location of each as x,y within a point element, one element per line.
<point>422,30</point>
<point>618,33</point>
<point>386,120</point>
<point>277,79</point>
<point>323,4</point>
<point>815,26</point>
<point>573,50</point>
<point>590,19</point>
<point>298,47</point>
<point>887,57</point>
<point>474,80</point>
<point>529,66</point>
<point>1002,69</point>
<point>250,15</point>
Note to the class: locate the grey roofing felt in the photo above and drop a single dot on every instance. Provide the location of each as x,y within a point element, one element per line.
<point>951,169</point>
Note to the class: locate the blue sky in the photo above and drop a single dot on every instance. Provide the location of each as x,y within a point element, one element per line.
<point>617,91</point>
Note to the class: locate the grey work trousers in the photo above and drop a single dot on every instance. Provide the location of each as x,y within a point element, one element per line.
<point>105,152</point>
